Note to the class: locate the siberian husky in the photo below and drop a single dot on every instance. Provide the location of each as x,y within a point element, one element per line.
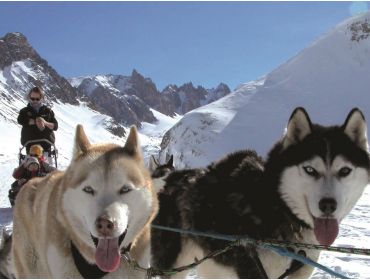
<point>159,172</point>
<point>310,181</point>
<point>77,223</point>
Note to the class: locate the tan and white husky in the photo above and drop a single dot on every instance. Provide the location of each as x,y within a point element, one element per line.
<point>77,223</point>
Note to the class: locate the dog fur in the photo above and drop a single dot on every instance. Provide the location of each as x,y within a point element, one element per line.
<point>159,172</point>
<point>104,196</point>
<point>310,181</point>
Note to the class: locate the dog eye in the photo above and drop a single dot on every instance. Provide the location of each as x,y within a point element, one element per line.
<point>344,171</point>
<point>310,171</point>
<point>125,189</point>
<point>89,190</point>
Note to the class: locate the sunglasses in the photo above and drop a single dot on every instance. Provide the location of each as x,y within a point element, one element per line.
<point>34,99</point>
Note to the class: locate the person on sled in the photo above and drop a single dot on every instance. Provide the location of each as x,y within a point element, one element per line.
<point>30,168</point>
<point>34,165</point>
<point>38,121</point>
<point>38,152</point>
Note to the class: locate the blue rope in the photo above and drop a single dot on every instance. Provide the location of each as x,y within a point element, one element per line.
<point>279,250</point>
<point>284,252</point>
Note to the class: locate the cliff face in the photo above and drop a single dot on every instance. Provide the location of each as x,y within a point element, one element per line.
<point>15,49</point>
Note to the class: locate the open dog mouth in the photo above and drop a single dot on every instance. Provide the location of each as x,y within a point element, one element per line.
<point>108,253</point>
<point>326,230</point>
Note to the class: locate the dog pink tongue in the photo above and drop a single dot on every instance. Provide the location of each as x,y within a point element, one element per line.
<point>326,230</point>
<point>107,254</point>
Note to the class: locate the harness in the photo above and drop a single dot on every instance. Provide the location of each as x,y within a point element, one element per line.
<point>88,271</point>
<point>295,225</point>
<point>294,266</point>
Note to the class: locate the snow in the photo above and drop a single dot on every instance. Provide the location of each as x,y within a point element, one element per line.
<point>114,83</point>
<point>328,78</point>
<point>76,81</point>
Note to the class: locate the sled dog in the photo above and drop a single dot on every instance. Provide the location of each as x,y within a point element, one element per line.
<point>77,223</point>
<point>159,172</point>
<point>310,181</point>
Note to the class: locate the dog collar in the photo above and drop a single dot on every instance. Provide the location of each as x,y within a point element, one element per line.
<point>88,271</point>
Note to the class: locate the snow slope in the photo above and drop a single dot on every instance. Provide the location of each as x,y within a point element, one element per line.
<point>328,78</point>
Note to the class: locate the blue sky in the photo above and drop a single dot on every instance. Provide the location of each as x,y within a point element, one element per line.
<point>172,42</point>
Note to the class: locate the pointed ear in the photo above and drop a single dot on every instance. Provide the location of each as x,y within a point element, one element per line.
<point>81,144</point>
<point>170,161</point>
<point>132,145</point>
<point>152,163</point>
<point>356,129</point>
<point>299,126</point>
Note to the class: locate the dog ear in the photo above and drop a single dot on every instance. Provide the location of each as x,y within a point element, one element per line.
<point>82,144</point>
<point>153,164</point>
<point>170,161</point>
<point>356,129</point>
<point>132,145</point>
<point>299,126</point>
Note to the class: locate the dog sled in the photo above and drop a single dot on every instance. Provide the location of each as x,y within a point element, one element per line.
<point>52,153</point>
<point>51,158</point>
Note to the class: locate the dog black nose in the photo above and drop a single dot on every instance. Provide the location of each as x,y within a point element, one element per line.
<point>104,226</point>
<point>328,205</point>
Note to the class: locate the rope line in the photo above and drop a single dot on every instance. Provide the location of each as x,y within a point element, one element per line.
<point>247,240</point>
<point>275,246</point>
<point>152,272</point>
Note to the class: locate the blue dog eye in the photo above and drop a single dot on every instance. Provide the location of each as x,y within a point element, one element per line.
<point>124,189</point>
<point>344,171</point>
<point>310,171</point>
<point>89,190</point>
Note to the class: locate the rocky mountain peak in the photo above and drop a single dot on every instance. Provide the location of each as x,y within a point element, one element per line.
<point>223,88</point>
<point>136,75</point>
<point>17,53</point>
<point>15,47</point>
<point>170,89</point>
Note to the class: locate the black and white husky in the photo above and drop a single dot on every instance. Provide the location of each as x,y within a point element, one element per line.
<point>310,181</point>
<point>159,172</point>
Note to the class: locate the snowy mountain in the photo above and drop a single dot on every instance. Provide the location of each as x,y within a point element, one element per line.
<point>127,100</point>
<point>118,88</point>
<point>328,78</point>
<point>187,97</point>
<point>21,68</point>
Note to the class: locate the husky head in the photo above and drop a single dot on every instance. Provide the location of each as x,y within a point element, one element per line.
<point>160,172</point>
<point>322,170</point>
<point>107,198</point>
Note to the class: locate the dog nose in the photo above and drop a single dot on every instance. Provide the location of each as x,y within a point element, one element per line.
<point>328,205</point>
<point>104,226</point>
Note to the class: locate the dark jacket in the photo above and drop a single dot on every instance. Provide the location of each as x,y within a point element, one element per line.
<point>31,132</point>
